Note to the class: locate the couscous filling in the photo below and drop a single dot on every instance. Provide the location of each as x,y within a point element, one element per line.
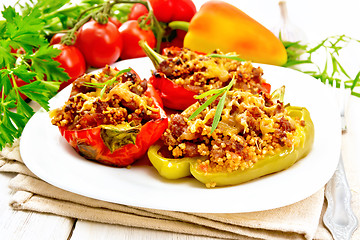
<point>90,106</point>
<point>200,73</point>
<point>251,127</point>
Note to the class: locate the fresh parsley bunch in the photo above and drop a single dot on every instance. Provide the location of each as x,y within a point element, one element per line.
<point>24,54</point>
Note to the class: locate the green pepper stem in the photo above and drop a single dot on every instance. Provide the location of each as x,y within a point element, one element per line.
<point>155,57</point>
<point>181,25</point>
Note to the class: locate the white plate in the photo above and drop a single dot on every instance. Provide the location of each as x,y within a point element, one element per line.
<point>52,159</point>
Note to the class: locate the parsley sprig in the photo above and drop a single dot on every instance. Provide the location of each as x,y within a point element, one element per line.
<point>333,72</point>
<point>216,93</point>
<point>24,54</point>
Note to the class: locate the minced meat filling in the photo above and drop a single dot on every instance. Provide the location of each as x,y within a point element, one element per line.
<point>251,126</point>
<point>200,73</point>
<point>88,107</point>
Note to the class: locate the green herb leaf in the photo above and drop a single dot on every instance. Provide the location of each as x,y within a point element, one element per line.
<point>6,58</point>
<point>210,92</point>
<point>220,105</point>
<point>5,81</point>
<point>32,62</point>
<point>39,92</point>
<point>23,73</point>
<point>104,85</point>
<point>218,112</point>
<point>205,105</point>
<point>356,80</point>
<point>332,72</point>
<point>43,64</point>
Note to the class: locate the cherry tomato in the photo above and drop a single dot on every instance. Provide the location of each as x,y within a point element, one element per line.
<point>184,10</point>
<point>136,11</point>
<point>131,34</point>
<point>115,21</point>
<point>56,38</point>
<point>72,60</point>
<point>100,44</point>
<point>163,9</point>
<point>173,10</point>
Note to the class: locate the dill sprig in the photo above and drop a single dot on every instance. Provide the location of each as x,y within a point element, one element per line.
<point>216,93</point>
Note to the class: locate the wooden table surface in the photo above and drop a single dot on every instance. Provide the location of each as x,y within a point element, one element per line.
<point>318,19</point>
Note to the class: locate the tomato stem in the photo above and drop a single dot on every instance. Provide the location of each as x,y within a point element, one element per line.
<point>101,16</point>
<point>87,10</point>
<point>69,38</point>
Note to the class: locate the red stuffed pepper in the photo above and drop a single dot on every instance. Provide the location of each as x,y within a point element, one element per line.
<point>182,74</point>
<point>112,117</point>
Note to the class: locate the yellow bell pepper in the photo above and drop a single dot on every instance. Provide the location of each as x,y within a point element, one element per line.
<point>219,25</point>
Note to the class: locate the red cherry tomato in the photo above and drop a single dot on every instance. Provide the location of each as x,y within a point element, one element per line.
<point>56,38</point>
<point>184,10</point>
<point>163,9</point>
<point>136,11</point>
<point>115,21</point>
<point>173,10</point>
<point>131,34</point>
<point>72,60</point>
<point>100,44</point>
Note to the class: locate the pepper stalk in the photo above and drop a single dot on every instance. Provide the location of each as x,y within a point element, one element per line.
<point>155,57</point>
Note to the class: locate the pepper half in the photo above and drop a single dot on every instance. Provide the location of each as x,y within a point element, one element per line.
<point>121,144</point>
<point>210,75</point>
<point>174,96</point>
<point>171,168</point>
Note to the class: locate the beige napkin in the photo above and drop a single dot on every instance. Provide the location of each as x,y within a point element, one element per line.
<point>301,220</point>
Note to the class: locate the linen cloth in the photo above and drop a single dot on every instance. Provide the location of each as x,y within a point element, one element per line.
<point>301,220</point>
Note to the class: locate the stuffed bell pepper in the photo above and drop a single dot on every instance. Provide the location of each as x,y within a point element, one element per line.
<point>111,117</point>
<point>256,135</point>
<point>182,74</point>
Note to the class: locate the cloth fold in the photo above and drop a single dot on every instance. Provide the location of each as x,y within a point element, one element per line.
<point>301,220</point>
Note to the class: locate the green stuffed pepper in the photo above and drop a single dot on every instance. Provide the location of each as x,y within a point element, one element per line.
<point>256,135</point>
